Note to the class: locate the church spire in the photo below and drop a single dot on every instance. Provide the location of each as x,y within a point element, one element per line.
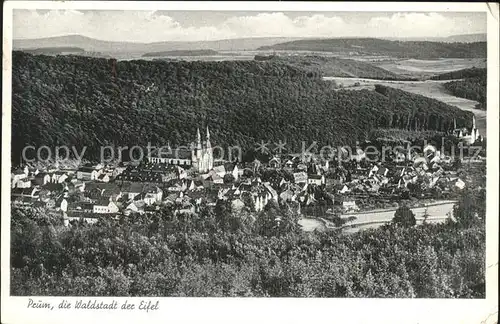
<point>208,134</point>
<point>473,122</point>
<point>198,138</point>
<point>454,123</point>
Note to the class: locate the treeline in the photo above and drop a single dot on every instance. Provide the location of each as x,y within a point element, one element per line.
<point>226,253</point>
<point>418,113</point>
<point>200,52</point>
<point>54,50</point>
<point>461,74</point>
<point>373,46</point>
<point>334,66</point>
<point>472,86</point>
<point>79,101</point>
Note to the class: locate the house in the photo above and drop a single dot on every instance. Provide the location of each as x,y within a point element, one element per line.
<point>288,195</point>
<point>215,178</point>
<point>61,204</point>
<point>135,207</point>
<point>118,170</point>
<point>23,183</point>
<point>20,173</point>
<point>348,204</point>
<point>103,178</point>
<point>300,177</point>
<point>58,177</point>
<point>343,189</point>
<point>460,184</point>
<point>176,185</point>
<point>33,171</point>
<point>26,192</point>
<point>88,172</point>
<point>24,201</point>
<point>153,195</point>
<point>220,170</point>
<point>232,168</point>
<point>275,162</point>
<point>132,189</point>
<point>315,179</point>
<point>84,207</point>
<point>171,198</point>
<point>104,206</point>
<point>111,191</point>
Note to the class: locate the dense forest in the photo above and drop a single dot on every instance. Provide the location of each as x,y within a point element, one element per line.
<point>373,46</point>
<point>472,84</point>
<point>80,101</point>
<point>223,253</point>
<point>334,66</point>
<point>461,74</point>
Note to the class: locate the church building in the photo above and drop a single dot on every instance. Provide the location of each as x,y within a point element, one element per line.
<point>468,136</point>
<point>199,156</point>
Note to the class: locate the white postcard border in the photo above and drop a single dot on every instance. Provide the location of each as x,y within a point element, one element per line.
<point>283,310</point>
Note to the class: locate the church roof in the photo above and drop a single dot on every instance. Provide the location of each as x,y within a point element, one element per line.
<point>182,153</point>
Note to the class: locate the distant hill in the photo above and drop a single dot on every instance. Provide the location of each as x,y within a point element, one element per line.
<point>95,45</point>
<point>54,50</point>
<point>182,53</point>
<point>334,67</point>
<point>468,38</point>
<point>373,46</point>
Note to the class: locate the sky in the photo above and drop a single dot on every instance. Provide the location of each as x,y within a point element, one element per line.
<point>153,26</point>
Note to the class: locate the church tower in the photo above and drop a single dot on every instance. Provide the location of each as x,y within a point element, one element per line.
<point>202,154</point>
<point>209,152</point>
<point>196,152</point>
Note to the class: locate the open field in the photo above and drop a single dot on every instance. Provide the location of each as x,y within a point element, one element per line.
<point>428,68</point>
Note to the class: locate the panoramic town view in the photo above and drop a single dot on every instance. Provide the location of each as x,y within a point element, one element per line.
<point>248,154</point>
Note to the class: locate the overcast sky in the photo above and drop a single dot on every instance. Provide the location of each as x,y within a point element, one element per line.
<point>147,26</point>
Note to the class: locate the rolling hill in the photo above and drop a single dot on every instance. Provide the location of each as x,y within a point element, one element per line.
<point>467,83</point>
<point>81,101</point>
<point>335,67</point>
<point>373,46</point>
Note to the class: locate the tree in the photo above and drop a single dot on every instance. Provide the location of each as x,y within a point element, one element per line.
<point>404,216</point>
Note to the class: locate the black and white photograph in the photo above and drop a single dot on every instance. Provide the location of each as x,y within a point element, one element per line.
<point>248,154</point>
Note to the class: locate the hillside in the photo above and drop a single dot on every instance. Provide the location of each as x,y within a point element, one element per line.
<point>335,67</point>
<point>471,84</point>
<point>182,53</point>
<point>372,46</point>
<point>461,74</point>
<point>79,101</point>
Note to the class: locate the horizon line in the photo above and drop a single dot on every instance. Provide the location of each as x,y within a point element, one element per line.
<point>249,37</point>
